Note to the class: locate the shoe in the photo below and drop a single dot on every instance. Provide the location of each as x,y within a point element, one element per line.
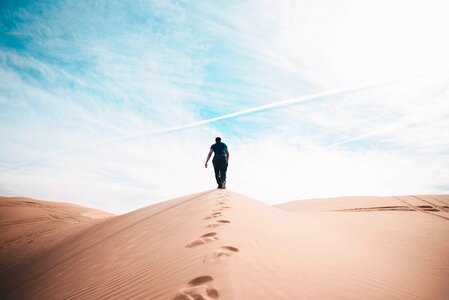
<point>223,185</point>
<point>219,186</point>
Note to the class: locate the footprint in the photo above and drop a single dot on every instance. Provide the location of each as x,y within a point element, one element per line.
<point>201,280</point>
<point>213,225</point>
<point>223,253</point>
<point>219,223</point>
<point>221,208</point>
<point>209,234</point>
<point>202,292</point>
<point>205,238</point>
<point>214,215</point>
<point>198,289</point>
<point>230,248</point>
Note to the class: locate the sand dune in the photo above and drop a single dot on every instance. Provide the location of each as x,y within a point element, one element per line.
<point>222,245</point>
<point>29,226</point>
<point>438,204</point>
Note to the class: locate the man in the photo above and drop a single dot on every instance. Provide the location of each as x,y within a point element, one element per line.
<point>220,161</point>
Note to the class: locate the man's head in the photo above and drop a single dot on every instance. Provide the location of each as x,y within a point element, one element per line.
<point>218,139</point>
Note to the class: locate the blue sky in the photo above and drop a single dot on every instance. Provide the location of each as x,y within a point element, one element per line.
<point>102,103</point>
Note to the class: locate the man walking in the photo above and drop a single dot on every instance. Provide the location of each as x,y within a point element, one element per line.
<point>220,161</point>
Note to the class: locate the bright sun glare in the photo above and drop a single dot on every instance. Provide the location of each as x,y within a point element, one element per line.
<point>371,41</point>
<point>395,40</point>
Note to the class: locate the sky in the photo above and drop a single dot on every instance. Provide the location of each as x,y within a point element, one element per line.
<point>115,104</point>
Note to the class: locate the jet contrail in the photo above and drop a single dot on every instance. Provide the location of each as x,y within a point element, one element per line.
<point>383,130</point>
<point>422,116</point>
<point>274,105</point>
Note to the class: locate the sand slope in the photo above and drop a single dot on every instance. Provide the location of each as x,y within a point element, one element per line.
<point>29,226</point>
<point>433,204</point>
<point>221,245</point>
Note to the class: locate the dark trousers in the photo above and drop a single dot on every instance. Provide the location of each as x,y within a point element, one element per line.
<point>220,167</point>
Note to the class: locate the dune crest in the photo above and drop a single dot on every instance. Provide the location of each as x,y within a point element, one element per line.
<point>221,245</point>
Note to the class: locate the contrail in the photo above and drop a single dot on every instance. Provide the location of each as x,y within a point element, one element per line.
<point>274,105</point>
<point>435,113</point>
<point>373,133</point>
<point>383,130</point>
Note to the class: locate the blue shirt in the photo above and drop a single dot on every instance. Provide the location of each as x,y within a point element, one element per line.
<point>219,149</point>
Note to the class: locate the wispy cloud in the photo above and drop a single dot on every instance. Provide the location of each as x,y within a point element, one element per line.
<point>248,111</point>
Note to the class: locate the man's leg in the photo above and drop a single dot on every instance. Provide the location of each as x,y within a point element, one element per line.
<point>223,169</point>
<point>217,172</point>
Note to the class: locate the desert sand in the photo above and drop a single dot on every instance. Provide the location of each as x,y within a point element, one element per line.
<point>219,244</point>
<point>29,226</point>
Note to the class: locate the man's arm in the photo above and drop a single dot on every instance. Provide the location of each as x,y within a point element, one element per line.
<point>227,155</point>
<point>208,156</point>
